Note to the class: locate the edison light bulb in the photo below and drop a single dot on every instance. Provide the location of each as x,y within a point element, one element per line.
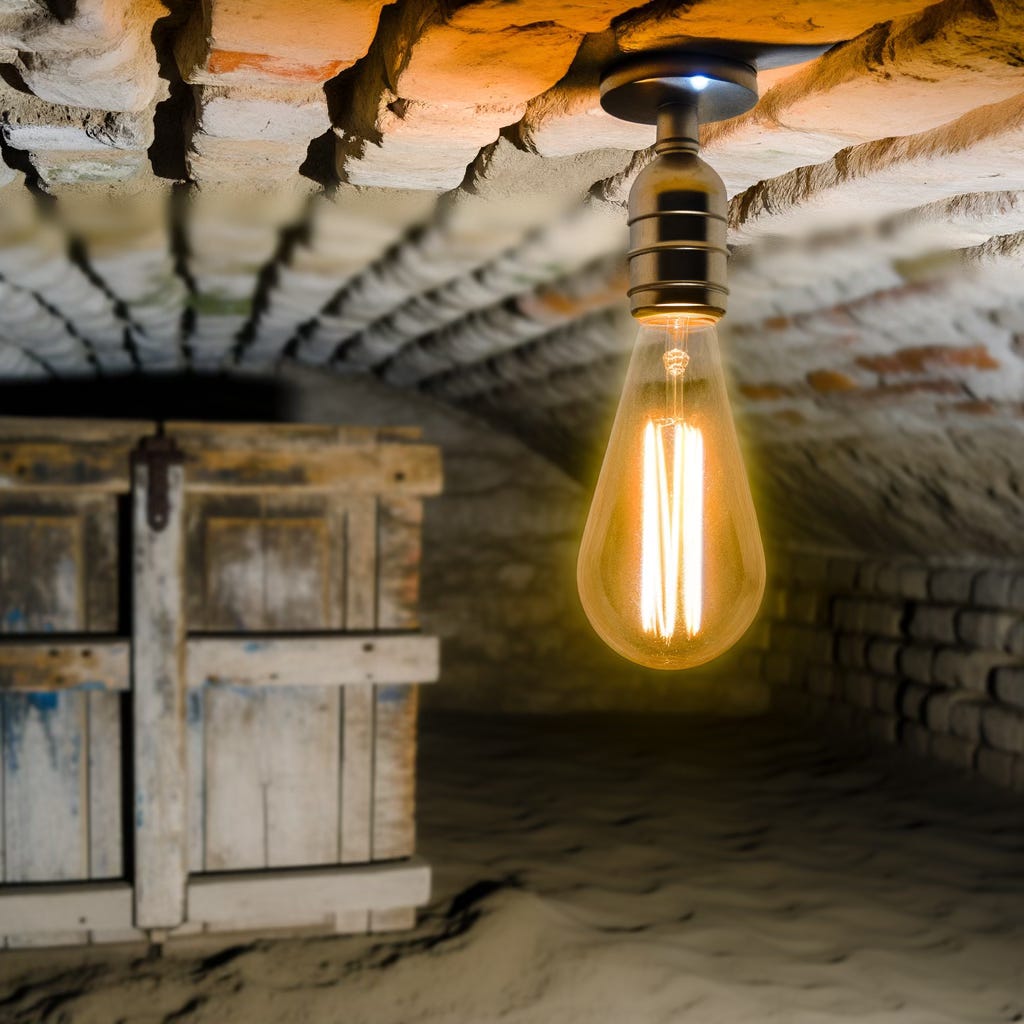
<point>671,569</point>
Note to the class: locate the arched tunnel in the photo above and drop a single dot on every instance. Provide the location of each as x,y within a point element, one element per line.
<point>340,291</point>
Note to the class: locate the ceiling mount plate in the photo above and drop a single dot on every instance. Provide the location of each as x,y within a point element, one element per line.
<point>719,76</point>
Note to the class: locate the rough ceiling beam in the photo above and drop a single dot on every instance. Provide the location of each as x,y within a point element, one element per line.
<point>979,151</point>
<point>426,100</point>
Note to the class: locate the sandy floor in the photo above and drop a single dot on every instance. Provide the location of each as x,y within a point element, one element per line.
<point>631,871</point>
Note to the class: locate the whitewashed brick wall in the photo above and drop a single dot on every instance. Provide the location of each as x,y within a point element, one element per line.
<point>928,656</point>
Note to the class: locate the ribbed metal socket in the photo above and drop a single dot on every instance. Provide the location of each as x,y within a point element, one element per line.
<point>677,229</point>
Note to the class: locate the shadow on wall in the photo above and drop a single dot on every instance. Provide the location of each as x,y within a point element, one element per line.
<point>499,545</point>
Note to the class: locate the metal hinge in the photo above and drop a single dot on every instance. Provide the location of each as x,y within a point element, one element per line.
<point>157,453</point>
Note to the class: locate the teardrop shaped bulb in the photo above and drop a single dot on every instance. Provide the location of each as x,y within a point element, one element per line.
<point>671,568</point>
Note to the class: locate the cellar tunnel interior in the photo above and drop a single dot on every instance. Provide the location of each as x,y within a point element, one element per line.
<point>314,322</point>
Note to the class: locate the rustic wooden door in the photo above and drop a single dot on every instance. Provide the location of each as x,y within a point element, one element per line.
<point>267,688</point>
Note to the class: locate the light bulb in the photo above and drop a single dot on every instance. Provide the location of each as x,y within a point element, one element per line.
<point>671,569</point>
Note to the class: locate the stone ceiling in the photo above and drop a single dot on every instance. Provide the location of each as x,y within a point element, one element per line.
<point>430,193</point>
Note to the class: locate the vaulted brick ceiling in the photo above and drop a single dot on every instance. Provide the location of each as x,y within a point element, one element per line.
<point>431,193</point>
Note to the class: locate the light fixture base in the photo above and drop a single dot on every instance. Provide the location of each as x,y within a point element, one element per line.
<point>718,76</point>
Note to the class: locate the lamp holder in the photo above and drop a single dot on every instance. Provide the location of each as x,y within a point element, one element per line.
<point>718,76</point>
<point>677,206</point>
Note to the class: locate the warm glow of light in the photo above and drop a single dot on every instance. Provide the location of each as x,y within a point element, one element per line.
<point>672,525</point>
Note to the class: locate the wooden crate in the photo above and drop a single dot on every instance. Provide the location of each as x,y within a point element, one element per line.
<point>208,722</point>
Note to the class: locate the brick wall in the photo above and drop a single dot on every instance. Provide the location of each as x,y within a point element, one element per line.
<point>928,656</point>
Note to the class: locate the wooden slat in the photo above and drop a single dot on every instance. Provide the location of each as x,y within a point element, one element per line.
<point>235,762</point>
<point>357,723</point>
<point>58,430</point>
<point>91,906</point>
<point>394,783</point>
<point>399,469</point>
<point>394,772</point>
<point>63,664</point>
<point>302,797</point>
<point>195,757</point>
<point>297,896</point>
<point>303,661</point>
<point>45,799</point>
<point>158,670</point>
<point>241,660</point>
<point>360,469</point>
<point>106,817</point>
<point>301,803</point>
<point>104,710</point>
<point>237,777</point>
<point>272,757</point>
<point>57,466</point>
<point>400,555</point>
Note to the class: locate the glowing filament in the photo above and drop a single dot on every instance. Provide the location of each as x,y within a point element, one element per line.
<point>672,529</point>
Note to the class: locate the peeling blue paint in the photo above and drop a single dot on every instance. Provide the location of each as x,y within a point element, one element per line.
<point>44,701</point>
<point>254,647</point>
<point>194,706</point>
<point>15,709</point>
<point>392,694</point>
<point>14,621</point>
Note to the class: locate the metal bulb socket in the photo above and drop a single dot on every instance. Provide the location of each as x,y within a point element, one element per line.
<point>677,227</point>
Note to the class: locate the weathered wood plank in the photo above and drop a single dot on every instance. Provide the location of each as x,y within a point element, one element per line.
<point>394,782</point>
<point>32,428</point>
<point>104,710</point>
<point>284,741</point>
<point>106,817</point>
<point>45,787</point>
<point>89,663</point>
<point>45,799</point>
<point>356,469</point>
<point>394,772</point>
<point>316,660</point>
<point>60,466</point>
<point>357,722</point>
<point>302,797</point>
<point>233,574</point>
<point>243,660</point>
<point>195,741</point>
<point>400,469</point>
<point>237,773</point>
<point>302,895</point>
<point>361,564</point>
<point>236,767</point>
<point>400,555</point>
<point>301,807</point>
<point>158,671</point>
<point>48,909</point>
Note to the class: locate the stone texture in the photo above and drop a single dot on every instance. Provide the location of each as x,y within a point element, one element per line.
<point>100,56</point>
<point>442,101</point>
<point>256,42</point>
<point>665,22</point>
<point>882,177</point>
<point>960,704</point>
